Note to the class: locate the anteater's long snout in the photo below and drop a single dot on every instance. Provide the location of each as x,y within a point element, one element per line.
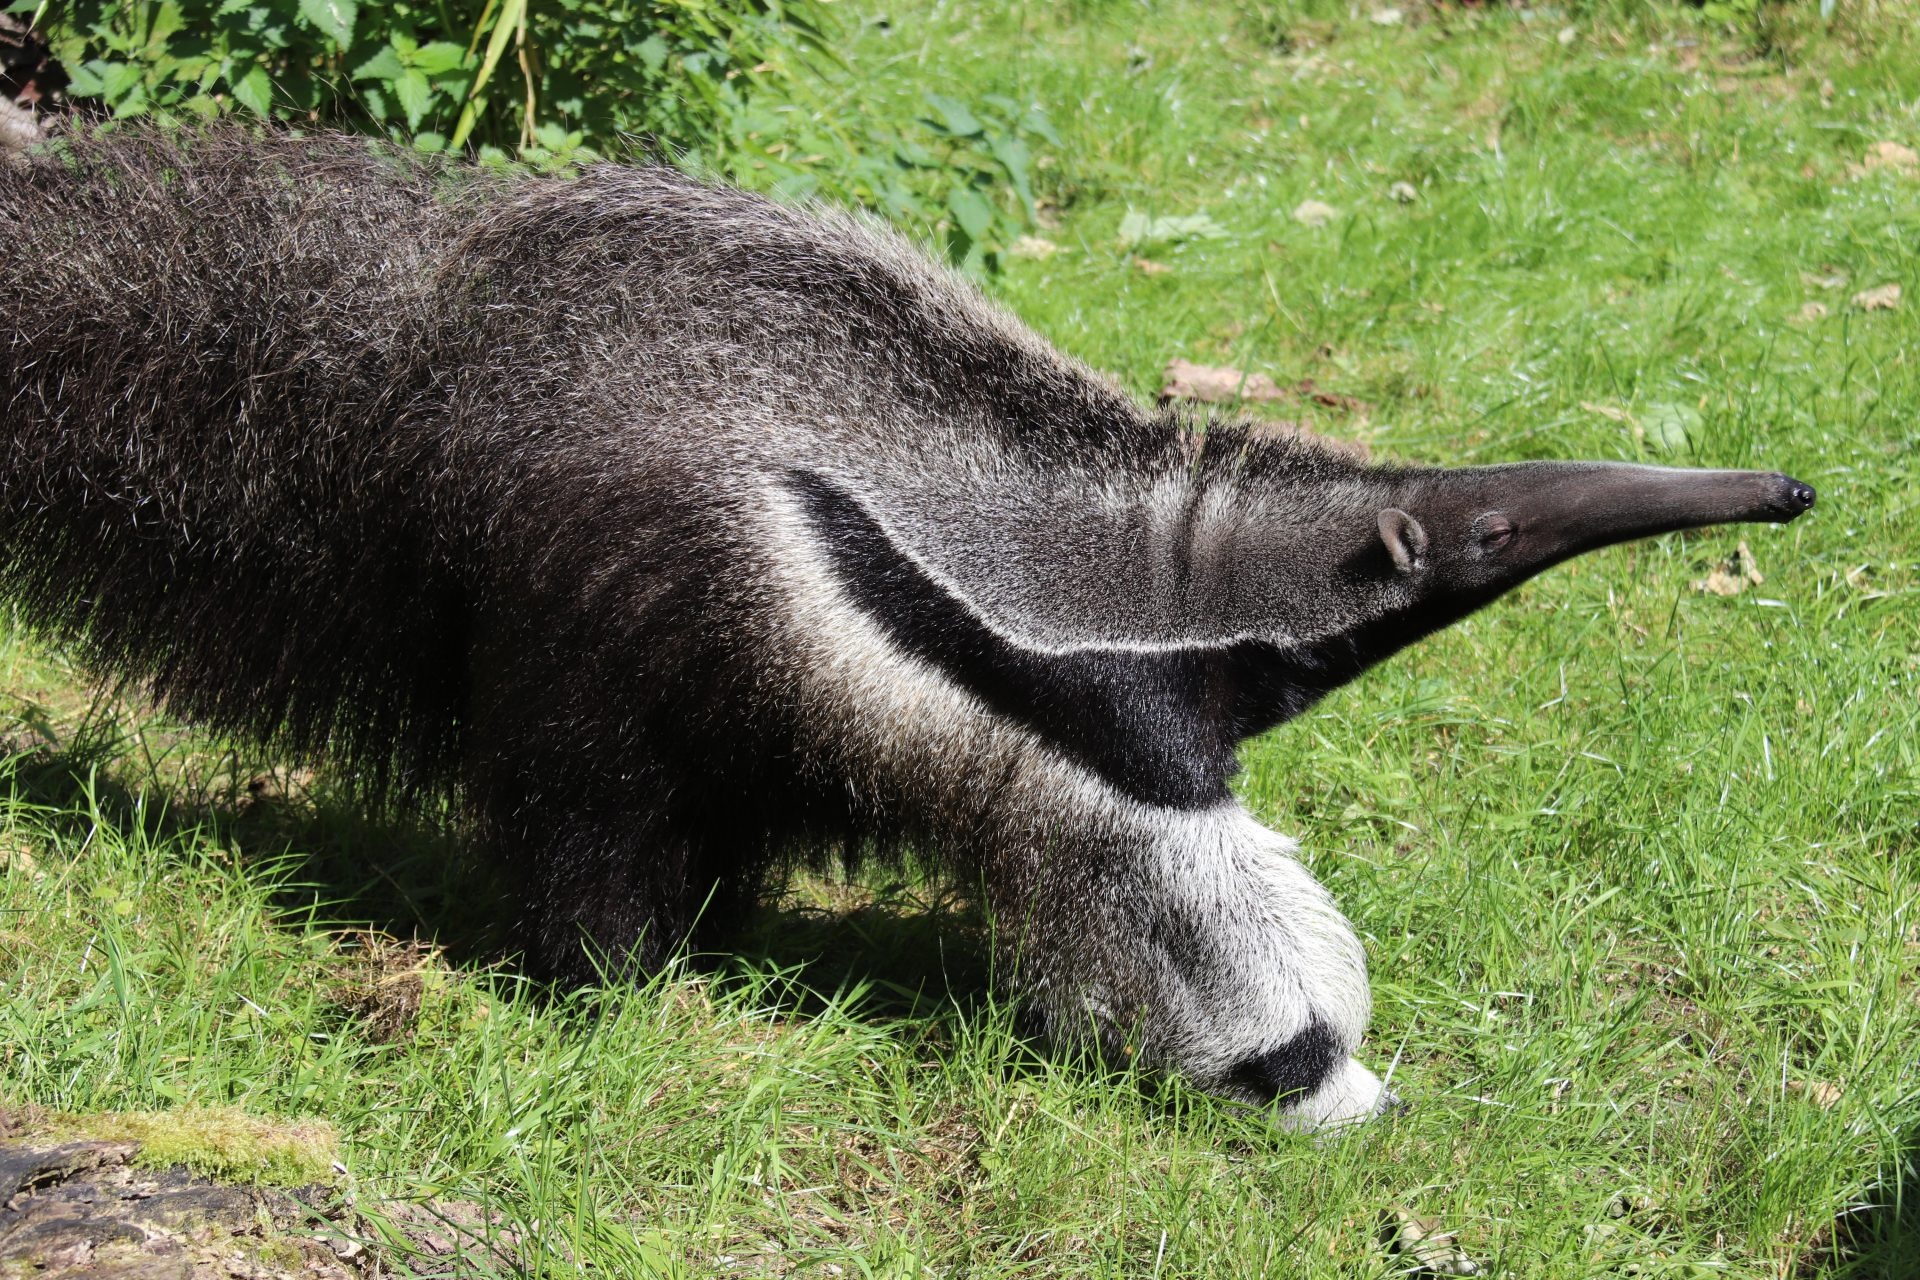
<point>1566,508</point>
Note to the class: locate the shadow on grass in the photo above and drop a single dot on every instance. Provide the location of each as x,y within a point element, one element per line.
<point>910,953</point>
<point>411,875</point>
<point>1881,1240</point>
<point>326,858</point>
<point>895,954</point>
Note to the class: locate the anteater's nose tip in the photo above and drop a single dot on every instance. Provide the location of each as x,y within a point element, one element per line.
<point>1800,496</point>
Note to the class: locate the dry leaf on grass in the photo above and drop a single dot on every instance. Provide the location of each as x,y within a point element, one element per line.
<point>1038,248</point>
<point>1420,1240</point>
<point>1308,389</point>
<point>1884,297</point>
<point>1314,213</point>
<point>1860,578</point>
<point>17,856</point>
<point>1404,192</point>
<point>1736,575</point>
<point>1820,1093</point>
<point>1895,156</point>
<point>1628,1203</point>
<point>1148,267</point>
<point>1825,278</point>
<point>1211,384</point>
<point>1813,311</point>
<point>1612,413</point>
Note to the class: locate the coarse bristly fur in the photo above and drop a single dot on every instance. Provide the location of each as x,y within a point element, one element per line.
<point>679,534</point>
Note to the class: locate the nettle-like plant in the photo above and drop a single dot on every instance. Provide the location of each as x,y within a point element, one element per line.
<point>552,82</point>
<point>441,73</point>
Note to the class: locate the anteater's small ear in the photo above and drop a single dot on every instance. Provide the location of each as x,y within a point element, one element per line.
<point>1406,540</point>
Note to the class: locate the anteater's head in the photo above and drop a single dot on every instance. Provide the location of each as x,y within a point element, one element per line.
<point>1375,558</point>
<point>1447,541</point>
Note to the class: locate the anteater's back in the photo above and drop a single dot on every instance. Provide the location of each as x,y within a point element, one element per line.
<point>345,448</point>
<point>217,431</point>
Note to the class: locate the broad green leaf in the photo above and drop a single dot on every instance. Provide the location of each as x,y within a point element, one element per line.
<point>438,58</point>
<point>971,210</point>
<point>255,91</point>
<point>332,18</point>
<point>87,80</point>
<point>913,154</point>
<point>955,117</point>
<point>1669,427</point>
<point>1036,121</point>
<point>384,65</point>
<point>414,94</point>
<point>1014,158</point>
<point>1138,229</point>
<point>653,52</point>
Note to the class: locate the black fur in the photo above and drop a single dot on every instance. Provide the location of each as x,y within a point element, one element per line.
<point>1292,1069</point>
<point>1153,725</point>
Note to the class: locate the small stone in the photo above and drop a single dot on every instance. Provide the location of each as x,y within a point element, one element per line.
<point>1404,192</point>
<point>1314,213</point>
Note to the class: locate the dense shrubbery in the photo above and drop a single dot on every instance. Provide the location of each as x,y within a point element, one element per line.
<point>552,81</point>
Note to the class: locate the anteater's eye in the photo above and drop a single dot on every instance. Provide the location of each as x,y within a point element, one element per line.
<point>1494,531</point>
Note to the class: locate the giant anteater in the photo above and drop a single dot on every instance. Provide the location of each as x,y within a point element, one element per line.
<point>679,534</point>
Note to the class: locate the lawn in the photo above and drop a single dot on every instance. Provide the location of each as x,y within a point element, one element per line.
<point>1637,863</point>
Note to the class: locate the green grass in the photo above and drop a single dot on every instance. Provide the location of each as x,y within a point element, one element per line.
<point>1635,864</point>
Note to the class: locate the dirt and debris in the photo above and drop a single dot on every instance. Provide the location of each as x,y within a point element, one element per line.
<point>95,1209</point>
<point>1884,297</point>
<point>1184,380</point>
<point>1738,572</point>
<point>382,982</point>
<point>30,82</point>
<point>1420,1241</point>
<point>29,77</point>
<point>87,1209</point>
<point>1895,157</point>
<point>1211,384</point>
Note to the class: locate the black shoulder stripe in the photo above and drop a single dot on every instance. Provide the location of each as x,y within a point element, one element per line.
<point>1154,725</point>
<point>1291,1070</point>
